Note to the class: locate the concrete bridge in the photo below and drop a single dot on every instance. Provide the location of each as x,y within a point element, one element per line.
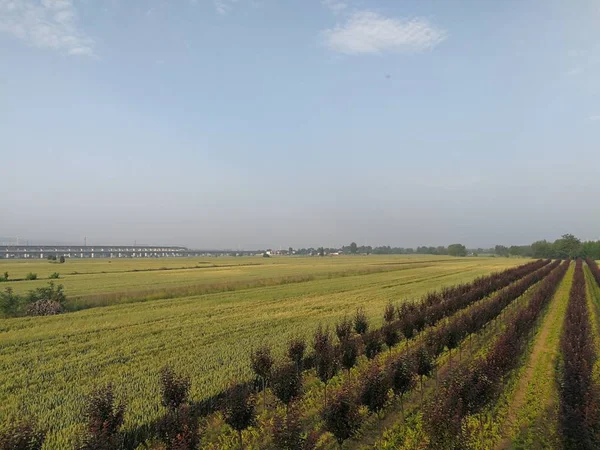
<point>96,251</point>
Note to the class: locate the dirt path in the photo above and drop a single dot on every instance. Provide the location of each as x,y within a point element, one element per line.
<point>532,415</point>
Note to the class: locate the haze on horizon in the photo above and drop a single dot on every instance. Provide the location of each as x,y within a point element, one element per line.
<point>256,124</point>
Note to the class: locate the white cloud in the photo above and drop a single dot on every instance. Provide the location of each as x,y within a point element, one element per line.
<point>335,6</point>
<point>47,24</point>
<point>224,6</point>
<point>370,32</point>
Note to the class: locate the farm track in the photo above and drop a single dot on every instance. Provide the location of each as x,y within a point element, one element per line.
<point>532,416</point>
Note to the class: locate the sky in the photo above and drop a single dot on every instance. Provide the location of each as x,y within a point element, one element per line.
<point>274,123</point>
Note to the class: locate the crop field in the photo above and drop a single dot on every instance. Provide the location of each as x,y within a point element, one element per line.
<point>438,352</point>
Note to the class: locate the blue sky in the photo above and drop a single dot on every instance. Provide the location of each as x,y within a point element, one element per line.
<point>267,123</point>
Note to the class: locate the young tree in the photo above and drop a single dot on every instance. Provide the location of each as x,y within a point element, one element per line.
<point>287,430</point>
<point>373,344</point>
<point>353,248</point>
<point>261,362</point>
<point>403,377</point>
<point>325,363</point>
<point>424,364</point>
<point>62,259</point>
<point>343,329</point>
<point>374,389</point>
<point>178,429</point>
<point>342,416</point>
<point>286,382</point>
<point>296,349</point>
<point>349,354</point>
<point>239,411</point>
<point>21,435</point>
<point>174,388</point>
<point>390,313</point>
<point>457,250</point>
<point>361,322</point>
<point>105,419</point>
<point>390,335</point>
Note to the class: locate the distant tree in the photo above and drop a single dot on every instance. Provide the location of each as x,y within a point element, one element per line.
<point>457,250</point>
<point>568,246</point>
<point>353,248</point>
<point>239,412</point>
<point>361,323</point>
<point>5,277</point>
<point>321,251</point>
<point>514,250</point>
<point>31,276</point>
<point>542,249</point>
<point>62,259</point>
<point>501,250</point>
<point>290,251</point>
<point>54,276</point>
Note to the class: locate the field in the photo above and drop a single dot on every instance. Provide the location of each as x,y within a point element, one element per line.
<point>127,319</point>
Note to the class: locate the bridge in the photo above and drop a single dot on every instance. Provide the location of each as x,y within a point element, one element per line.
<point>96,251</point>
<point>109,251</point>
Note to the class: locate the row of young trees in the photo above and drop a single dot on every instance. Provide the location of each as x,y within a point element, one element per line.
<point>42,301</point>
<point>401,371</point>
<point>472,386</point>
<point>579,399</point>
<point>567,246</point>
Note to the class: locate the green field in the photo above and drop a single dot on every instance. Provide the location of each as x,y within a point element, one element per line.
<point>49,364</point>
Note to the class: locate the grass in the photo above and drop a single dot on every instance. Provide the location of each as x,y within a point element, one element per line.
<point>50,363</point>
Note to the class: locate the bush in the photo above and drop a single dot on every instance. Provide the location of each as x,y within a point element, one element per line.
<point>104,420</point>
<point>21,436</point>
<point>286,382</point>
<point>44,308</point>
<point>373,344</point>
<point>239,411</point>
<point>174,388</point>
<point>287,431</point>
<point>62,260</point>
<point>51,292</point>
<point>361,323</point>
<point>31,276</point>
<point>342,416</point>
<point>296,349</point>
<point>178,429</point>
<point>349,353</point>
<point>54,276</point>
<point>343,329</point>
<point>4,277</point>
<point>10,302</point>
<point>374,389</point>
<point>390,313</point>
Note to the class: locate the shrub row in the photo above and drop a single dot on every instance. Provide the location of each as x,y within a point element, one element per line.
<point>578,396</point>
<point>594,269</point>
<point>402,371</point>
<point>41,301</point>
<point>471,387</point>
